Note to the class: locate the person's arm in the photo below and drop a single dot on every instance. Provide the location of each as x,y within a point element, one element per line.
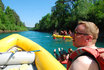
<point>67,57</point>
<point>84,63</point>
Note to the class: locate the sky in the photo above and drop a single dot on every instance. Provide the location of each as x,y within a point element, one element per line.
<point>30,11</point>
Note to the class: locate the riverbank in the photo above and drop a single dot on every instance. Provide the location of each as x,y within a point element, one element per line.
<point>100,39</point>
<point>6,31</point>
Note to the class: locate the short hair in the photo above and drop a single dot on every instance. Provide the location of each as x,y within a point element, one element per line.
<point>91,29</point>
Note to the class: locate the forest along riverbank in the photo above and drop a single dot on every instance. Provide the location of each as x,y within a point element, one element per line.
<point>6,31</point>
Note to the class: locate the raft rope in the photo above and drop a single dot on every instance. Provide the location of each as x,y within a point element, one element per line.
<point>13,52</point>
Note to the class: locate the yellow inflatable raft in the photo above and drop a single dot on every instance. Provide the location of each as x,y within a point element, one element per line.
<point>61,36</point>
<point>43,59</point>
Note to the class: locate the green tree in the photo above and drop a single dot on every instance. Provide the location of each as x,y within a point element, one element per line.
<point>1,5</point>
<point>66,13</point>
<point>14,20</point>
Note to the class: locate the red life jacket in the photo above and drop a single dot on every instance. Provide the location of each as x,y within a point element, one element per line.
<point>98,54</point>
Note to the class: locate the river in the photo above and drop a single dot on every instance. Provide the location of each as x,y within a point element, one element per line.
<point>46,40</point>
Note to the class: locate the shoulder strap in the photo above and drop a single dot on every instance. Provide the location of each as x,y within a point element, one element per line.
<point>94,52</point>
<point>73,56</point>
<point>100,50</point>
<point>79,52</point>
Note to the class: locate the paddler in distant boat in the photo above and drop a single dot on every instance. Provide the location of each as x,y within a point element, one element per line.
<point>70,33</point>
<point>65,32</point>
<point>55,32</point>
<point>61,32</point>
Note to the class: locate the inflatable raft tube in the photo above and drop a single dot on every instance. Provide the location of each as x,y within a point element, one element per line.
<point>43,59</point>
<point>9,58</point>
<point>62,36</point>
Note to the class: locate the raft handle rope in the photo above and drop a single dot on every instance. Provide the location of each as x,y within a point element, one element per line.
<point>13,52</point>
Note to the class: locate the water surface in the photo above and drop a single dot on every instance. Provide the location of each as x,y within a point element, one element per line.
<point>46,40</point>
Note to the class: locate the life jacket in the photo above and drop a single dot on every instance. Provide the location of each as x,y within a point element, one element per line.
<point>98,55</point>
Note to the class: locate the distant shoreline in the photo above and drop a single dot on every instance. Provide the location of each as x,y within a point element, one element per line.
<point>6,31</point>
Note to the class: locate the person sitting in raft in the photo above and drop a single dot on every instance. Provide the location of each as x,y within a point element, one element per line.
<point>55,32</point>
<point>65,32</point>
<point>59,57</point>
<point>61,32</point>
<point>63,51</point>
<point>69,53</point>
<point>67,56</point>
<point>56,55</point>
<point>86,56</point>
<point>63,55</point>
<point>70,33</point>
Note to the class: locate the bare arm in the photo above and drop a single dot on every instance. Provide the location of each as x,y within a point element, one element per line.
<point>84,63</point>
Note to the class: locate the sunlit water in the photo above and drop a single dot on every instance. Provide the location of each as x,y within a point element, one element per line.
<point>46,40</point>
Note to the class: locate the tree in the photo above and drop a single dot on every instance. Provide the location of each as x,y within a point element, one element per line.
<point>1,5</point>
<point>66,14</point>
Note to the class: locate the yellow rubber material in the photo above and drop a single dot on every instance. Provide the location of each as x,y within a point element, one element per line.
<point>44,60</point>
<point>61,36</point>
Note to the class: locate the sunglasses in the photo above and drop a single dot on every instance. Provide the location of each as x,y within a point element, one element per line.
<point>75,32</point>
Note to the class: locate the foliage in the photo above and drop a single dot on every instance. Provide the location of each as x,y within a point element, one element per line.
<point>44,24</point>
<point>66,13</point>
<point>1,5</point>
<point>9,19</point>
